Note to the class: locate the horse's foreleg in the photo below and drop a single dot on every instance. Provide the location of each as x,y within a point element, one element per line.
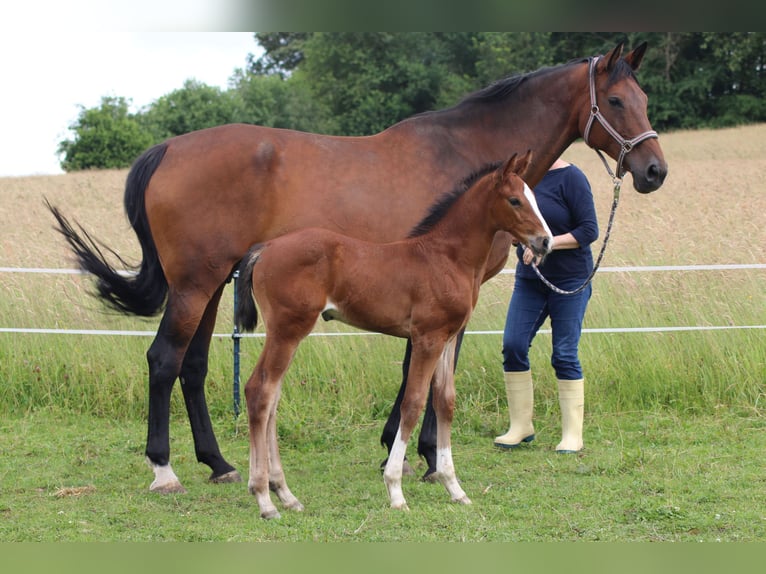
<point>392,424</point>
<point>427,441</point>
<point>422,366</point>
<point>164,358</point>
<point>277,481</point>
<point>193,373</point>
<point>392,473</point>
<point>444,405</point>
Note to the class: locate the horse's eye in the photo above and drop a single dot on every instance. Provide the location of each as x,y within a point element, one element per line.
<point>515,202</point>
<point>615,101</point>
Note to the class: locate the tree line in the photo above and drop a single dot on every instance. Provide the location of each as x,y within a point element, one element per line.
<point>359,83</point>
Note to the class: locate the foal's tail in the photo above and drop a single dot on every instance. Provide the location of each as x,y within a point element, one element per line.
<point>142,290</point>
<point>246,314</point>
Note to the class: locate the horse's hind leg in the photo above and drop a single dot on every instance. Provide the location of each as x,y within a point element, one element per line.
<point>277,481</point>
<point>192,376</point>
<point>261,396</point>
<point>165,356</point>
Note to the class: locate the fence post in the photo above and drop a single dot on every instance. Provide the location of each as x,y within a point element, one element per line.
<point>236,336</point>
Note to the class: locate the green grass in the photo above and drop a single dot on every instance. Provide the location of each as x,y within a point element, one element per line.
<point>644,476</point>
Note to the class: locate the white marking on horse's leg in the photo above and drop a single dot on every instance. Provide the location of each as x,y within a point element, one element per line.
<point>392,475</point>
<point>165,480</point>
<point>445,470</point>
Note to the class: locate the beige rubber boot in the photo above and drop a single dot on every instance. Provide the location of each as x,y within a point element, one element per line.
<point>572,403</point>
<point>518,389</point>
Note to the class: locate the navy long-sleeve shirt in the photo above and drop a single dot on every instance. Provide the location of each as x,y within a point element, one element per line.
<point>566,202</point>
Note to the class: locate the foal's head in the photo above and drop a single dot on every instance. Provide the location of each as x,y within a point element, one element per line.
<point>515,209</point>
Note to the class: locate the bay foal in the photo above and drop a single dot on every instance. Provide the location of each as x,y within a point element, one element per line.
<point>423,288</point>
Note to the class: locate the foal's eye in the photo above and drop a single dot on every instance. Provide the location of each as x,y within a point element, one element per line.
<point>515,202</point>
<point>615,101</point>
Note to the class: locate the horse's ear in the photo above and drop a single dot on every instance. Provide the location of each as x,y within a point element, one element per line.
<point>613,56</point>
<point>635,56</point>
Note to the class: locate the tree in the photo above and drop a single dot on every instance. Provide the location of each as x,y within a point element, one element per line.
<point>193,107</point>
<point>283,52</point>
<point>270,100</point>
<point>369,81</point>
<point>104,137</point>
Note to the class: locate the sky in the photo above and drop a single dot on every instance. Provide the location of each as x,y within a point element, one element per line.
<point>46,75</point>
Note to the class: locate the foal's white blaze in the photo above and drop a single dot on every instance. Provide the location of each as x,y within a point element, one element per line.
<point>530,195</point>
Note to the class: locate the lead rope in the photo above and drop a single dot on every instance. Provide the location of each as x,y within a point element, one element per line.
<point>551,286</point>
<point>625,147</point>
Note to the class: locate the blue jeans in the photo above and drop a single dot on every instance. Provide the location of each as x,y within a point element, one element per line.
<point>531,303</point>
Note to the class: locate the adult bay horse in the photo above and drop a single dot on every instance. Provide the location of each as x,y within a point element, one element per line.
<point>423,288</point>
<point>197,202</point>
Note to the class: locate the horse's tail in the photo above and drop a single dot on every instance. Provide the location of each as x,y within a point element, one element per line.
<point>246,314</point>
<point>143,289</point>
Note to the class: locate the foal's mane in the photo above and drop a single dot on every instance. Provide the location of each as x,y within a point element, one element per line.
<point>443,204</point>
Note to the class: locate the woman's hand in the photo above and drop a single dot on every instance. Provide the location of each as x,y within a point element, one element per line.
<point>528,256</point>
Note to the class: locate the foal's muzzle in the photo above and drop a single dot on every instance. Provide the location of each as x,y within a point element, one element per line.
<point>541,247</point>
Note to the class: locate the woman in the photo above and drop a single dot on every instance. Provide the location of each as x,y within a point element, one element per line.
<point>565,201</point>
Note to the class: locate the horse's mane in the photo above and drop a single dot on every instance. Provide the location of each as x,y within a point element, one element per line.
<point>443,204</point>
<point>502,89</point>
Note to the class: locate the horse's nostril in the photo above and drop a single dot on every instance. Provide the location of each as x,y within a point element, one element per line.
<point>656,173</point>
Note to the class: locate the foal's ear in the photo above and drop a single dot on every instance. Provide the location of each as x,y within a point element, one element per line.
<point>613,56</point>
<point>635,56</point>
<point>518,165</point>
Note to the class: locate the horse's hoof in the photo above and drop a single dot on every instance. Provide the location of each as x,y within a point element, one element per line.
<point>462,500</point>
<point>231,476</point>
<point>568,451</point>
<point>168,488</point>
<point>525,440</point>
<point>271,514</point>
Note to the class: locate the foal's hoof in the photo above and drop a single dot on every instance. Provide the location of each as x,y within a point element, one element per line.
<point>231,476</point>
<point>462,500</point>
<point>271,514</point>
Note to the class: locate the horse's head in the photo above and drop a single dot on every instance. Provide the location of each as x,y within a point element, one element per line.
<point>617,122</point>
<point>516,209</point>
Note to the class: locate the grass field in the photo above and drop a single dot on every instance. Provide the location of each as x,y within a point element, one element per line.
<point>675,419</point>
